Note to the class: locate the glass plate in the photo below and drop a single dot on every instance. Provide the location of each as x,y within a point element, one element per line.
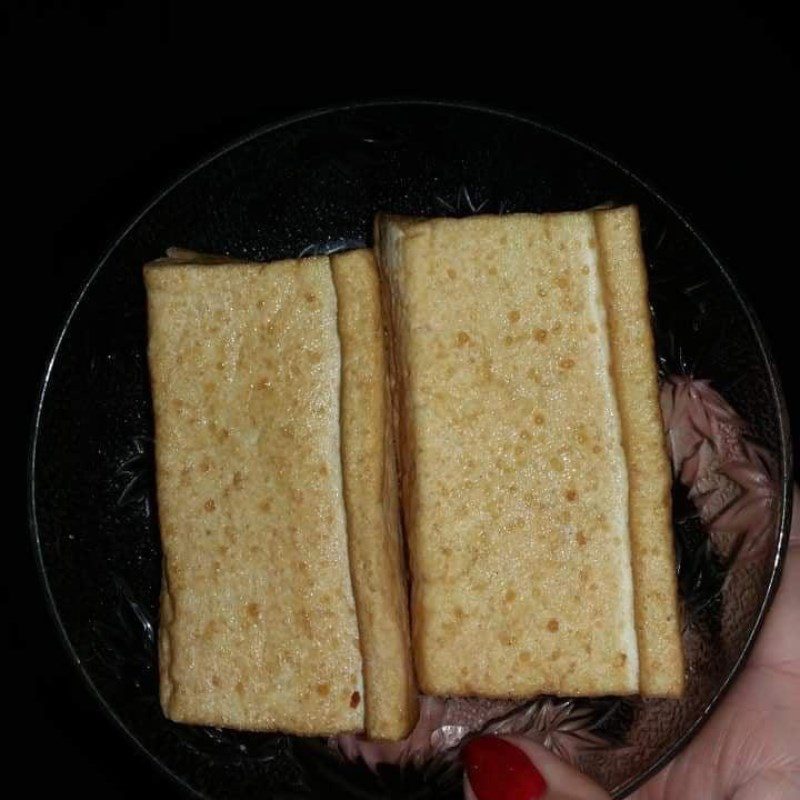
<point>313,184</point>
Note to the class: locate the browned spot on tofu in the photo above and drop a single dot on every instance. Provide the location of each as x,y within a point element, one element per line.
<point>510,596</point>
<point>451,273</point>
<point>259,304</point>
<point>237,479</point>
<point>215,680</point>
<point>581,537</point>
<point>177,404</point>
<point>287,432</point>
<point>555,655</point>
<point>302,566</point>
<point>262,383</point>
<point>538,418</point>
<point>253,610</point>
<point>239,687</point>
<point>355,699</point>
<point>571,495</point>
<point>596,449</point>
<point>557,327</point>
<point>621,659</point>
<point>314,357</point>
<point>493,270</point>
<point>525,434</point>
<point>209,387</point>
<point>566,363</point>
<point>562,282</point>
<point>323,690</point>
<point>462,339</point>
<point>209,630</point>
<point>305,623</point>
<point>507,640</point>
<point>508,340</point>
<point>540,334</point>
<point>224,434</point>
<point>513,316</point>
<point>209,505</point>
<point>588,648</point>
<point>205,465</point>
<point>323,469</point>
<point>552,625</point>
<point>310,297</point>
<point>265,506</point>
<point>525,657</point>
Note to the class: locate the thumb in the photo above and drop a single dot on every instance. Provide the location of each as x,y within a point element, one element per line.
<point>515,768</point>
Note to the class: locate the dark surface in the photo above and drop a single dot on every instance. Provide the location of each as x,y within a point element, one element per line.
<point>108,106</point>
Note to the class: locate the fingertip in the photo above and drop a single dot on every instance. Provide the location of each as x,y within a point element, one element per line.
<point>516,768</point>
<point>566,781</point>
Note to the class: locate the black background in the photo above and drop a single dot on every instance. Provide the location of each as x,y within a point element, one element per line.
<point>106,103</point>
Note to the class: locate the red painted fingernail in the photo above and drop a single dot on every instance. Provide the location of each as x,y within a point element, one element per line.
<point>498,770</point>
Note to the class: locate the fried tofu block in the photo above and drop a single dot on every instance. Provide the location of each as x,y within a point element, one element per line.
<point>258,625</point>
<point>633,363</point>
<point>515,485</point>
<point>373,517</point>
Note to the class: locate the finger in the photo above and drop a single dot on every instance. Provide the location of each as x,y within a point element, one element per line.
<point>778,644</point>
<point>514,768</point>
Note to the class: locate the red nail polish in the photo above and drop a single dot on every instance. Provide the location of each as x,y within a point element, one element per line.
<point>498,770</point>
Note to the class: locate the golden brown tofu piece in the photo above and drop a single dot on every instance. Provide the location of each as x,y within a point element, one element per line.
<point>649,478</point>
<point>515,486</point>
<point>373,517</point>
<point>258,625</point>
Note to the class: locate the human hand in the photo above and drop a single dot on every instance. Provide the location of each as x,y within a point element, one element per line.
<point>748,750</point>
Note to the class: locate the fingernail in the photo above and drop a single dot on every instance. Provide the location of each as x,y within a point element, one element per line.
<point>498,770</point>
